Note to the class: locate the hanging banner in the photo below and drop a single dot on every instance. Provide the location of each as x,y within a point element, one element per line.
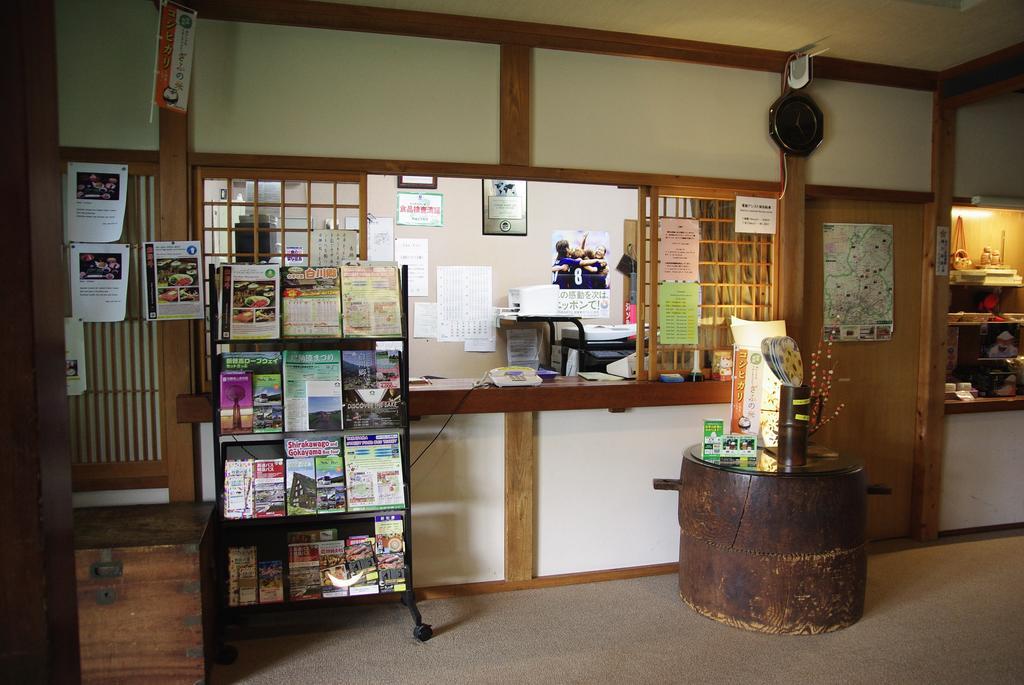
<point>172,288</point>
<point>95,201</point>
<point>174,56</point>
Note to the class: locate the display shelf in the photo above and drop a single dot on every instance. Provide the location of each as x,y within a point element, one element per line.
<point>270,535</point>
<point>985,404</point>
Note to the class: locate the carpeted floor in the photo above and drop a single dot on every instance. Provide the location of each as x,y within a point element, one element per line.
<point>944,613</point>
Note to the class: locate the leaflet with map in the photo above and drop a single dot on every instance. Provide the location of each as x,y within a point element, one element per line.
<point>858,282</point>
<point>373,466</point>
<point>371,300</point>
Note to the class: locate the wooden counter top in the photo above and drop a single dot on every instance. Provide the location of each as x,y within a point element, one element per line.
<point>984,404</point>
<point>456,396</point>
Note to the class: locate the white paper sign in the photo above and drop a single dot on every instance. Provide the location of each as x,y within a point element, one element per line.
<point>756,214</point>
<point>412,252</point>
<point>172,285</point>
<point>488,344</point>
<point>380,239</point>
<point>679,249</point>
<point>96,195</point>
<point>523,347</point>
<point>332,247</point>
<point>424,320</point>
<point>584,304</point>
<point>942,250</point>
<point>74,356</point>
<point>99,281</point>
<point>464,307</point>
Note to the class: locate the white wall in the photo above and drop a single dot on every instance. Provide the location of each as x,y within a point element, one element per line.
<point>515,260</point>
<point>990,147</point>
<point>316,92</point>
<point>875,137</point>
<point>119,498</point>
<point>982,470</point>
<point>627,114</point>
<point>105,58</point>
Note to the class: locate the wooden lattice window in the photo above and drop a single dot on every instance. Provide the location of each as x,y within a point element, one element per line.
<point>737,274</point>
<point>114,425</point>
<point>270,216</point>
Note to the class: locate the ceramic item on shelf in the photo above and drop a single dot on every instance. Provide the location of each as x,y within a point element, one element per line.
<point>997,258</point>
<point>986,256</point>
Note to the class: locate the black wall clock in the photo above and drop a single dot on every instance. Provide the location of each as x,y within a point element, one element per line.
<point>796,124</point>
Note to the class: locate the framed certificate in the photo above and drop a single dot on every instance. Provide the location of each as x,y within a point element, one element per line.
<point>504,208</point>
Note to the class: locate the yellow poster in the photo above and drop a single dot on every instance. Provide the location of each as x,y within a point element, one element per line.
<point>677,312</point>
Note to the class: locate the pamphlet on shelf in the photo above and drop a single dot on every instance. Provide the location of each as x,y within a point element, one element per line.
<point>389,531</point>
<point>238,489</point>
<point>243,583</point>
<point>333,573</point>
<point>269,488</point>
<point>372,385</point>
<point>361,565</point>
<point>373,465</point>
<point>330,484</point>
<point>301,485</point>
<point>267,404</point>
<point>271,582</point>
<point>301,367</point>
<point>371,300</point>
<point>235,402</point>
<point>255,291</point>
<point>303,571</point>
<point>310,302</point>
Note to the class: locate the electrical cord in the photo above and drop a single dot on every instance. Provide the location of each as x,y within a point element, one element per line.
<point>458,405</point>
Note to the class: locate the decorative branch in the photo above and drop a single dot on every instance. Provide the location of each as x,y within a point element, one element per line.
<point>823,370</point>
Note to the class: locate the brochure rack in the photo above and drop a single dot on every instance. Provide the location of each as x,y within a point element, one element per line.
<point>269,535</point>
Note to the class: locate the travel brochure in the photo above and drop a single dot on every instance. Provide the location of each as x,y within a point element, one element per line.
<point>321,565</point>
<point>266,302</point>
<point>372,386</point>
<point>172,287</point>
<point>312,390</point>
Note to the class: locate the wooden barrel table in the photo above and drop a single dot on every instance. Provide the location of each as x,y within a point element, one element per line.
<point>774,552</point>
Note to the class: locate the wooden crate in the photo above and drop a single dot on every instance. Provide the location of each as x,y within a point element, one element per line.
<point>141,574</point>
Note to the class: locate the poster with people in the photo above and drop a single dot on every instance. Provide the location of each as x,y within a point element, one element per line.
<point>580,268</point>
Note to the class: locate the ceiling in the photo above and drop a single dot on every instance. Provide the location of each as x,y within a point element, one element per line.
<point>924,34</point>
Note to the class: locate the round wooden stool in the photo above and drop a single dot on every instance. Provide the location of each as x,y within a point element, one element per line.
<point>774,552</point>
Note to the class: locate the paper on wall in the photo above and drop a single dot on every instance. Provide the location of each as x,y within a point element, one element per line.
<point>412,252</point>
<point>332,247</point>
<point>172,285</point>
<point>99,281</point>
<point>488,344</point>
<point>678,311</point>
<point>464,306</point>
<point>380,239</point>
<point>523,347</point>
<point>679,249</point>
<point>425,320</point>
<point>756,214</point>
<point>74,356</point>
<point>96,195</point>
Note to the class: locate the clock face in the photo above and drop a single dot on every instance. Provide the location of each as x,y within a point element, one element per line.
<point>796,124</point>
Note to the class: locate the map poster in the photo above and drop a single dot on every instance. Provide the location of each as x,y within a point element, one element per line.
<point>858,282</point>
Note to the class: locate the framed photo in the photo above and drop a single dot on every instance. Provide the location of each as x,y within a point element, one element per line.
<point>426,182</point>
<point>504,207</point>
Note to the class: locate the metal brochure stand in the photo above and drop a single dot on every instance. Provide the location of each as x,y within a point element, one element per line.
<point>269,535</point>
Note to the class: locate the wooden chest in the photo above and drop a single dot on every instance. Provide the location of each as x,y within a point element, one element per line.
<point>142,573</point>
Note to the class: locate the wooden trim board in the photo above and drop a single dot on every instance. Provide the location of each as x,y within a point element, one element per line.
<point>490,587</point>
<point>514,120</point>
<point>520,475</point>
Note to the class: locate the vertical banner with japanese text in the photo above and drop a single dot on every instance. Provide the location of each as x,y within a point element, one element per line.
<point>174,56</point>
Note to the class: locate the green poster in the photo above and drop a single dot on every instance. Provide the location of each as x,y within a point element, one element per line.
<point>677,312</point>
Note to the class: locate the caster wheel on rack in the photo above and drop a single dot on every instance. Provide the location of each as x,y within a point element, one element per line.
<point>423,632</point>
<point>226,655</point>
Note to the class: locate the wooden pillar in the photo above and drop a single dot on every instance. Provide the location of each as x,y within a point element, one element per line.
<point>928,434</point>
<point>175,336</point>
<point>39,630</point>
<point>515,105</point>
<point>520,474</point>
<point>792,266</point>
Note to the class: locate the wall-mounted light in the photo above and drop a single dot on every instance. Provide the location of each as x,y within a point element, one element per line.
<point>997,202</point>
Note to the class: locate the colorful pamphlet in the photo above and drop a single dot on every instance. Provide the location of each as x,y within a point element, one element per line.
<point>391,572</point>
<point>301,486</point>
<point>269,488</point>
<point>326,446</point>
<point>255,290</point>
<point>371,300</point>
<point>311,536</point>
<point>303,571</point>
<point>267,395</point>
<point>361,565</point>
<point>238,489</point>
<point>243,586</point>
<point>373,388</point>
<point>172,285</point>
<point>330,485</point>
<point>271,582</point>
<point>235,402</point>
<point>389,531</point>
<point>373,466</point>
<point>714,429</point>
<point>333,576</point>
<point>310,302</point>
<point>300,369</point>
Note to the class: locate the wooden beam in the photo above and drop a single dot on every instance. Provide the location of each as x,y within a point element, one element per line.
<point>344,17</point>
<point>392,167</point>
<point>119,475</point>
<point>515,105</point>
<point>39,631</point>
<point>986,77</point>
<point>983,62</point>
<point>792,238</point>
<point>985,92</point>
<point>819,192</point>
<point>140,162</point>
<point>520,472</point>
<point>175,336</point>
<point>930,416</point>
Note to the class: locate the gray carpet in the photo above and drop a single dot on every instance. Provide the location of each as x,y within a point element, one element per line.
<point>945,613</point>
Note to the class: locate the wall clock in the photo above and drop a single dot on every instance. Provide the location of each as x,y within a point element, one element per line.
<point>796,124</point>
